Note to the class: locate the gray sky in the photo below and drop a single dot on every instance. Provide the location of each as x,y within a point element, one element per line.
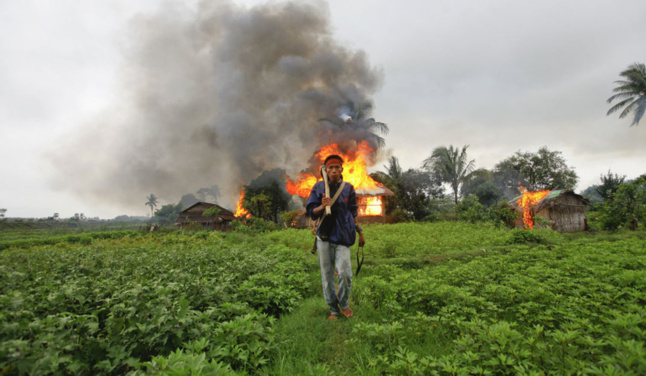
<point>500,76</point>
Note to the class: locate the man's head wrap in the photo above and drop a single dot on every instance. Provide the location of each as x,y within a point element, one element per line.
<point>333,160</point>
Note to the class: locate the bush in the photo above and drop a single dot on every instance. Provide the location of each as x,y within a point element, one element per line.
<point>401,215</point>
<point>470,209</point>
<point>290,217</point>
<point>626,208</point>
<point>518,236</point>
<point>253,225</point>
<point>503,215</point>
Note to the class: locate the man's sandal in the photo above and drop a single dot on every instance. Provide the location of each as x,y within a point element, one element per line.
<point>333,317</point>
<point>347,312</point>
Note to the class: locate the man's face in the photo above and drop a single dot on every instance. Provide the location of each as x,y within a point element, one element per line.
<point>334,171</point>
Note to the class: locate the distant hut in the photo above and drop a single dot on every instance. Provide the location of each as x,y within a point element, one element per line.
<point>563,209</point>
<point>193,216</point>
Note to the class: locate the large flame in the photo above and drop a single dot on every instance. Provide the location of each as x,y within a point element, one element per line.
<point>527,202</point>
<point>354,172</point>
<point>354,169</point>
<point>240,211</point>
<point>369,205</point>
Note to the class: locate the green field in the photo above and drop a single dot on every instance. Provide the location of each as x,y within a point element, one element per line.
<point>445,298</point>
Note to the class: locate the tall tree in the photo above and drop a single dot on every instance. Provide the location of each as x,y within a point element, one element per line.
<point>451,165</point>
<point>413,189</point>
<point>537,171</point>
<point>266,197</point>
<point>152,202</point>
<point>393,169</point>
<point>353,118</point>
<point>631,93</point>
<point>167,214</point>
<point>609,185</point>
<point>2,211</point>
<point>481,183</point>
<point>627,207</point>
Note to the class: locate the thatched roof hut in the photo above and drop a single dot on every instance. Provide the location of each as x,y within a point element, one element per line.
<point>370,210</point>
<point>563,209</point>
<point>193,216</point>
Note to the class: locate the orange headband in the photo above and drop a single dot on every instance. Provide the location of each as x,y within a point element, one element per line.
<point>333,161</point>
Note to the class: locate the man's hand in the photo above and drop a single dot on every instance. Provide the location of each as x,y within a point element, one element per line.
<point>362,241</point>
<point>326,201</point>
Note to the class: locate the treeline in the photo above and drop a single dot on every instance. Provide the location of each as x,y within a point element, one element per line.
<point>473,194</point>
<point>483,194</point>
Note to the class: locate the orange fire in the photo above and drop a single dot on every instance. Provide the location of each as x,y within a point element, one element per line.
<point>369,205</point>
<point>354,170</point>
<point>240,211</point>
<point>527,202</point>
<point>302,186</point>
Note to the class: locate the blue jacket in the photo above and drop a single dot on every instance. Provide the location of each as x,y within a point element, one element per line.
<point>344,210</point>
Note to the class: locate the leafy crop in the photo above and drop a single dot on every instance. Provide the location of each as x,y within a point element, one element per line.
<point>432,299</point>
<point>576,309</point>
<point>114,306</point>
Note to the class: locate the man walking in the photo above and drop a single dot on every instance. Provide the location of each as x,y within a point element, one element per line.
<point>335,234</point>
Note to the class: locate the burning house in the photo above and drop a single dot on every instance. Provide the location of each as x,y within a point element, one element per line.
<point>564,210</point>
<point>371,195</point>
<point>194,216</point>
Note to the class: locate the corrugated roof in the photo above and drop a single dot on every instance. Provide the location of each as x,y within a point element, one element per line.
<point>551,195</point>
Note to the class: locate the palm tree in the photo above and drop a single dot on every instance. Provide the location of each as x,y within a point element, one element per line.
<point>631,93</point>
<point>352,117</point>
<point>393,169</point>
<point>451,166</point>
<point>152,202</point>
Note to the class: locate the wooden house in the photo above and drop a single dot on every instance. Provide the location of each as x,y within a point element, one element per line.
<point>193,217</point>
<point>564,210</point>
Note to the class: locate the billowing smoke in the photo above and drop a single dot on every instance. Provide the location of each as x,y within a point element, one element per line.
<point>216,94</point>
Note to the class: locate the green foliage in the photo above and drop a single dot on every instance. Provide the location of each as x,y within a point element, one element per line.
<point>504,215</point>
<point>212,212</point>
<point>266,197</point>
<point>253,225</point>
<point>289,218</point>
<point>84,238</point>
<point>470,209</point>
<point>451,165</point>
<point>119,305</point>
<point>432,299</point>
<point>592,194</point>
<point>437,238</point>
<point>521,236</point>
<point>609,185</point>
<point>481,183</point>
<point>627,207</point>
<point>400,215</point>
<point>167,214</point>
<point>542,170</point>
<point>562,309</point>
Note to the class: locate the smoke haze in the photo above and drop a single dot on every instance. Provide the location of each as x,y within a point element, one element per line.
<point>216,95</point>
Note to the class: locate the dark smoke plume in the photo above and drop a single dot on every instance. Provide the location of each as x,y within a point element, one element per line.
<point>216,95</point>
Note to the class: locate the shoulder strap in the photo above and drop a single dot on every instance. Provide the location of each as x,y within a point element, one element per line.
<point>334,198</point>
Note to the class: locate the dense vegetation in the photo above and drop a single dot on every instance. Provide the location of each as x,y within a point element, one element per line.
<point>447,298</point>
